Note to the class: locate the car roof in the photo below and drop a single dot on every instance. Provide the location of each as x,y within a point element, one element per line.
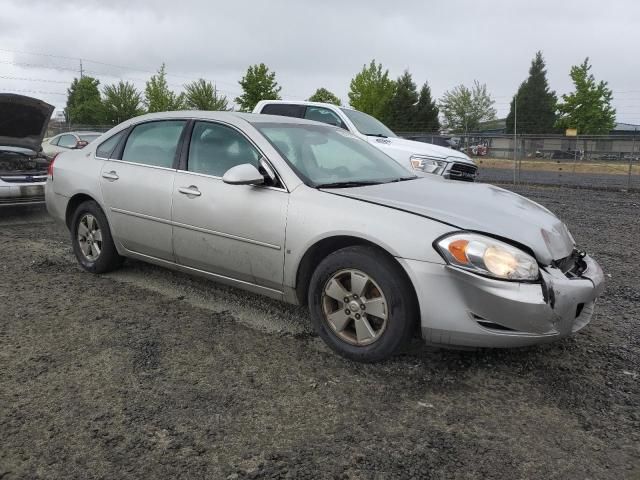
<point>304,102</point>
<point>253,118</point>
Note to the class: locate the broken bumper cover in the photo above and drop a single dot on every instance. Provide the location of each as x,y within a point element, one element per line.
<point>459,308</point>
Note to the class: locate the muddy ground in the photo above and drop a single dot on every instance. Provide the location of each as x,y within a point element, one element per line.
<point>144,373</point>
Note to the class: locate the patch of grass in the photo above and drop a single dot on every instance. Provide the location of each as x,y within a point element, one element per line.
<point>611,168</point>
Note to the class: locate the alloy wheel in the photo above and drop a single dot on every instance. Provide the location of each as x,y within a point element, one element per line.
<point>89,237</point>
<point>354,307</point>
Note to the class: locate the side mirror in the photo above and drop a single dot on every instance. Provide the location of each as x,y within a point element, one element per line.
<point>81,144</point>
<point>245,174</point>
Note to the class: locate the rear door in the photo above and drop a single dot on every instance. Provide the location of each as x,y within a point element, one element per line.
<point>137,183</point>
<point>236,231</point>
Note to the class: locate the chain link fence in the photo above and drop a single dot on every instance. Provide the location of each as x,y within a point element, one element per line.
<point>55,128</point>
<point>595,161</point>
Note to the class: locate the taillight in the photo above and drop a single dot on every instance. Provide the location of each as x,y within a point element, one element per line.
<point>50,168</point>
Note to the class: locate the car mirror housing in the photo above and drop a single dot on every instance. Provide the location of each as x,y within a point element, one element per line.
<point>245,174</point>
<point>81,144</point>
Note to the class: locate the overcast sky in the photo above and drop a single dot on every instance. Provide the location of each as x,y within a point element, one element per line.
<point>320,43</point>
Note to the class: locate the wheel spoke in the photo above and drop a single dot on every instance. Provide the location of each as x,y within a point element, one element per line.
<point>84,246</point>
<point>338,320</point>
<point>83,231</point>
<point>358,283</point>
<point>91,223</point>
<point>95,248</point>
<point>364,332</point>
<point>376,307</point>
<point>336,291</point>
<point>97,236</point>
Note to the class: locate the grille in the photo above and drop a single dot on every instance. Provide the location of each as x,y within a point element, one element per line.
<point>573,265</point>
<point>24,178</point>
<point>20,200</point>
<point>462,171</point>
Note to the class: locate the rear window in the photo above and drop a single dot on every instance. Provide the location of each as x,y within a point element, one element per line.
<point>284,109</point>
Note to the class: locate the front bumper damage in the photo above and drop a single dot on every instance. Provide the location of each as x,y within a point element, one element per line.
<point>18,192</point>
<point>459,308</point>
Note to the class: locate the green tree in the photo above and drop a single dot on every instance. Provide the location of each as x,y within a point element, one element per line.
<point>402,108</point>
<point>536,106</point>
<point>203,95</point>
<point>84,105</point>
<point>157,95</point>
<point>122,101</point>
<point>464,108</point>
<point>325,96</point>
<point>426,119</point>
<point>588,108</point>
<point>258,84</point>
<point>371,90</point>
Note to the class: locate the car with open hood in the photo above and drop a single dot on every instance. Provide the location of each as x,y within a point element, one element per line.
<point>23,167</point>
<point>414,155</point>
<point>310,214</point>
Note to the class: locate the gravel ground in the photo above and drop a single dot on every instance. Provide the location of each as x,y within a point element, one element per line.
<point>567,177</point>
<point>145,373</point>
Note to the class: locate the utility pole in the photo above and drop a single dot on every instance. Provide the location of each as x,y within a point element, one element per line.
<point>633,151</point>
<point>81,69</point>
<point>515,137</point>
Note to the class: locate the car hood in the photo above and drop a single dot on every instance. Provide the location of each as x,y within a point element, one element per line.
<point>477,207</point>
<point>23,121</point>
<point>411,147</point>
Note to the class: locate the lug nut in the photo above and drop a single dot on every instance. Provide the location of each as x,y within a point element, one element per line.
<point>347,311</point>
<point>362,306</point>
<point>355,296</point>
<point>357,316</point>
<point>346,299</point>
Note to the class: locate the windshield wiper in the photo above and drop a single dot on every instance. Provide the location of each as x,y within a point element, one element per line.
<point>376,135</point>
<point>403,179</point>
<point>347,184</point>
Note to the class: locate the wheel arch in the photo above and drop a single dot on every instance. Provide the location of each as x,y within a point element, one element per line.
<point>73,203</point>
<point>325,247</point>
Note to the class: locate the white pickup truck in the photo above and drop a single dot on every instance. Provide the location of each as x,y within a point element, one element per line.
<point>423,157</point>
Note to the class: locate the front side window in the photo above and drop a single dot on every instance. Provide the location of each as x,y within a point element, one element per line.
<point>216,148</point>
<point>324,115</point>
<point>154,143</point>
<point>323,155</point>
<point>367,125</point>
<point>67,141</point>
<point>106,148</point>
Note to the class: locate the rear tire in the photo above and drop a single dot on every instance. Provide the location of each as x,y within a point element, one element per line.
<point>91,239</point>
<point>362,304</point>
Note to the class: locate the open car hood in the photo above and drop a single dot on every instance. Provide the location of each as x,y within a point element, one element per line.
<point>474,206</point>
<point>23,121</point>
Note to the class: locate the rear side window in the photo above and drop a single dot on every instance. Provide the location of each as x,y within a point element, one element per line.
<point>284,109</point>
<point>154,143</point>
<point>106,148</point>
<point>54,140</point>
<point>324,115</point>
<point>67,141</point>
<point>216,148</point>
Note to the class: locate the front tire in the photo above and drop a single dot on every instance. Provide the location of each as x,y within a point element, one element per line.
<point>362,304</point>
<point>91,239</point>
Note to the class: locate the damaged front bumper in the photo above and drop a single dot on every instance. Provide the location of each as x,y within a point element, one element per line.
<point>22,190</point>
<point>459,308</point>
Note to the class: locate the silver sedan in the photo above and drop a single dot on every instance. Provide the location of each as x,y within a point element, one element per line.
<point>309,214</point>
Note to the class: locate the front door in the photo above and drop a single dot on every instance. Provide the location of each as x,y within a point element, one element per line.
<point>137,188</point>
<point>235,231</point>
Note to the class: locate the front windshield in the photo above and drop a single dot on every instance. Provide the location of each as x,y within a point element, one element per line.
<point>328,156</point>
<point>367,125</point>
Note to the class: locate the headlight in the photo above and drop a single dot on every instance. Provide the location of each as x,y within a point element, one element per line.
<point>428,165</point>
<point>487,256</point>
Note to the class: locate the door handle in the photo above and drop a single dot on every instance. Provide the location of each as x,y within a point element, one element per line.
<point>112,175</point>
<point>190,191</point>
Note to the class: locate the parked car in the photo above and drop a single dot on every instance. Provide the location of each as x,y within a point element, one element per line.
<point>311,214</point>
<point>68,141</point>
<point>23,168</point>
<point>417,156</point>
<point>566,155</point>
